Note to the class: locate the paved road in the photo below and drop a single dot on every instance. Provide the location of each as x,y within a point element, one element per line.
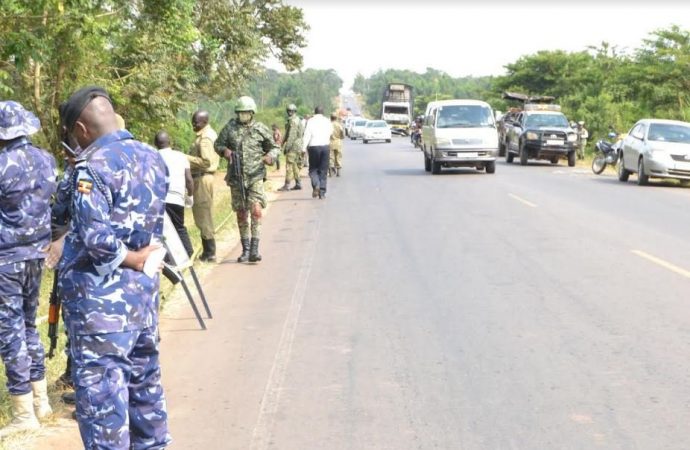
<point>541,307</point>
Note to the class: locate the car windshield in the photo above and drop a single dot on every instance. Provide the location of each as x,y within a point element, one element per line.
<point>546,120</point>
<point>669,133</point>
<point>464,116</point>
<point>360,123</point>
<point>376,125</point>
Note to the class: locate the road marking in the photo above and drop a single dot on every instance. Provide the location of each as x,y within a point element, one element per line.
<point>662,263</point>
<point>263,430</point>
<point>522,200</point>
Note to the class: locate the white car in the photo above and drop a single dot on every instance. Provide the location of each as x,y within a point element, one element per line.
<point>376,130</point>
<point>357,128</point>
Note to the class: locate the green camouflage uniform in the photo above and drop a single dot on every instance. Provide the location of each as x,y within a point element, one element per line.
<point>336,146</point>
<point>292,147</point>
<point>253,141</point>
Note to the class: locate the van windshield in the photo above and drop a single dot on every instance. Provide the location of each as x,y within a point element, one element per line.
<point>464,116</point>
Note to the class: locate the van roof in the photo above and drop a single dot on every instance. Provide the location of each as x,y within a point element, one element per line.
<point>438,103</point>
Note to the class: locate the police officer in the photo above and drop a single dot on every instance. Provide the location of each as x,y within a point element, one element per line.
<point>336,146</point>
<point>28,179</point>
<point>582,136</point>
<point>110,304</point>
<point>292,147</point>
<point>203,162</point>
<point>253,147</point>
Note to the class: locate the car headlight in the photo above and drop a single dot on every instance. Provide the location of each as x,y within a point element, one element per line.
<point>442,142</point>
<point>572,137</point>
<point>531,136</point>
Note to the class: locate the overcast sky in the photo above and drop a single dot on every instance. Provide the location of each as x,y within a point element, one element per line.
<point>469,37</point>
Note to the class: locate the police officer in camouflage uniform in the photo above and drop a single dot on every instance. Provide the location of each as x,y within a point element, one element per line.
<point>203,162</point>
<point>254,146</point>
<point>28,179</point>
<point>292,147</point>
<point>110,304</point>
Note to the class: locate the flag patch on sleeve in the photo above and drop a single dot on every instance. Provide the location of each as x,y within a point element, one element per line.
<point>84,186</point>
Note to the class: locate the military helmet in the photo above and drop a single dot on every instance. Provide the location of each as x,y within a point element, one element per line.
<point>291,107</point>
<point>245,103</point>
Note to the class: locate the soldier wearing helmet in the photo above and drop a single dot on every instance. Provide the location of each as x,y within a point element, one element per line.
<point>248,146</point>
<point>292,147</point>
<point>28,179</point>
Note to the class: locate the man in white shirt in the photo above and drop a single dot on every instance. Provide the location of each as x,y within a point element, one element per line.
<point>181,186</point>
<point>316,140</point>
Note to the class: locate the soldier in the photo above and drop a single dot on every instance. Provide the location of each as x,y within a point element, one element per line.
<point>110,304</point>
<point>28,179</point>
<point>292,148</point>
<point>204,163</point>
<point>336,146</point>
<point>249,144</point>
<point>582,136</point>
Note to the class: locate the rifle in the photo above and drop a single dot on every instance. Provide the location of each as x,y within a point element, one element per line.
<point>236,160</point>
<point>53,316</point>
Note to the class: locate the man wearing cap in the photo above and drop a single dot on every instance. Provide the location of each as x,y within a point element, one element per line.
<point>292,148</point>
<point>582,136</point>
<point>110,304</point>
<point>253,145</point>
<point>28,179</point>
<point>203,162</point>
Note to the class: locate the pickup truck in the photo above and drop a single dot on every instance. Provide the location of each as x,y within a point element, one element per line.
<point>540,132</point>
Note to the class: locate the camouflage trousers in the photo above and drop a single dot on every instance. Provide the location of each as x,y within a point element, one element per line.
<point>336,158</point>
<point>293,166</point>
<point>117,380</point>
<point>254,194</point>
<point>20,345</point>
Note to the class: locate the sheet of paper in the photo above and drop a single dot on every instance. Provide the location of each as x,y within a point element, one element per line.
<point>153,262</point>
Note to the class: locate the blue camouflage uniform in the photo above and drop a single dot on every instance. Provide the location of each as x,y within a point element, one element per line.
<point>27,182</point>
<point>111,312</point>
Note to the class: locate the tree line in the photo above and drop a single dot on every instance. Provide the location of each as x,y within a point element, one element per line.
<point>603,85</point>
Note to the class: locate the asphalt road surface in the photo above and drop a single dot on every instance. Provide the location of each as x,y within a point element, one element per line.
<point>541,307</point>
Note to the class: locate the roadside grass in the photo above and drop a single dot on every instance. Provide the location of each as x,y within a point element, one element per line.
<point>224,220</point>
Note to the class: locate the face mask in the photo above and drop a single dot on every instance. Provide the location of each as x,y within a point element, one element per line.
<point>244,116</point>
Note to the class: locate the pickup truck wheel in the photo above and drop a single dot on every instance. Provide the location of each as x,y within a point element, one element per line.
<point>427,164</point>
<point>642,178</point>
<point>509,157</point>
<point>571,159</point>
<point>491,167</point>
<point>523,156</point>
<point>554,160</point>
<point>623,173</point>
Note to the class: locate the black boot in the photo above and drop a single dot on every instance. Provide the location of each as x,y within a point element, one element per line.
<point>244,257</point>
<point>286,187</point>
<point>297,187</point>
<point>254,251</point>
<point>209,253</point>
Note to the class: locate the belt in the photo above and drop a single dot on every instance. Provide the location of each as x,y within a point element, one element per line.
<point>197,175</point>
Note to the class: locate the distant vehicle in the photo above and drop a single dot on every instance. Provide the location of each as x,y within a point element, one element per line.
<point>541,131</point>
<point>656,148</point>
<point>357,128</point>
<point>397,104</point>
<point>376,130</point>
<point>348,123</point>
<point>503,125</point>
<point>459,133</point>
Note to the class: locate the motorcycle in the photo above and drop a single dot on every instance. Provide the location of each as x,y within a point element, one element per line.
<point>607,153</point>
<point>416,138</point>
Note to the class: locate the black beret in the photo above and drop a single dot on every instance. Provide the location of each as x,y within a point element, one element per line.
<point>72,108</point>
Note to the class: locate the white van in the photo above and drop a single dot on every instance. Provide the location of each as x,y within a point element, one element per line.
<point>459,133</point>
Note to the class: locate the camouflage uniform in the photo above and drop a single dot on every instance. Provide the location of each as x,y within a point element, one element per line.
<point>582,136</point>
<point>336,146</point>
<point>292,147</point>
<point>111,312</point>
<point>203,163</point>
<point>28,178</point>
<point>253,142</point>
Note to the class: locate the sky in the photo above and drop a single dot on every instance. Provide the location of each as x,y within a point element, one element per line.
<point>464,38</point>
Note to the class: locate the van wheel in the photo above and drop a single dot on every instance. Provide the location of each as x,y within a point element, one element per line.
<point>427,164</point>
<point>435,167</point>
<point>491,167</point>
<point>365,141</point>
<point>642,178</point>
<point>388,140</point>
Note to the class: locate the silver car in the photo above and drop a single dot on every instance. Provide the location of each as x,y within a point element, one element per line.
<point>656,148</point>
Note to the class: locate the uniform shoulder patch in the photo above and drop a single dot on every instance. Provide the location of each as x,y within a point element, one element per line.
<point>84,186</point>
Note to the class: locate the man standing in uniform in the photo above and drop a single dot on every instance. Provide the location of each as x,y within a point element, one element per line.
<point>180,188</point>
<point>582,136</point>
<point>317,138</point>
<point>336,146</point>
<point>110,304</point>
<point>28,179</point>
<point>292,148</point>
<point>203,162</point>
<point>248,146</point>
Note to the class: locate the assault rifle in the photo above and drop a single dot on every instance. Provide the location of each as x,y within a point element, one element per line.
<point>236,160</point>
<point>53,316</point>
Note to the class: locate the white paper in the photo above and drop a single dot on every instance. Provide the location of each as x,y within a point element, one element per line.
<point>153,262</point>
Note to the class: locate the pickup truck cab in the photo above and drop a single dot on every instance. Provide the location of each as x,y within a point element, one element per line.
<point>541,131</point>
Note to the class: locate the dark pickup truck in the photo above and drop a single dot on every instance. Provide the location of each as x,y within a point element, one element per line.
<point>541,132</point>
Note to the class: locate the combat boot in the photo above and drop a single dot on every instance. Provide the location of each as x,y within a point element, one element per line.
<point>41,405</point>
<point>254,251</point>
<point>298,186</point>
<point>286,187</point>
<point>337,172</point>
<point>209,253</point>
<point>23,416</point>
<point>244,257</point>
